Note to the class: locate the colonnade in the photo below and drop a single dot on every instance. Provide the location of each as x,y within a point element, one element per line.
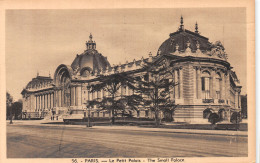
<point>44,101</point>
<point>71,96</point>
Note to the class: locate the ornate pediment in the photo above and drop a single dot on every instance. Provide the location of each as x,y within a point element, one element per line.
<point>218,50</point>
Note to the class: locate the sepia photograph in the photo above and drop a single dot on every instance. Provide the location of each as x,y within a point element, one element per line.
<point>127,84</point>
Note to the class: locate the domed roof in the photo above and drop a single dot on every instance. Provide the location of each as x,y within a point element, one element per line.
<point>91,58</point>
<point>183,38</point>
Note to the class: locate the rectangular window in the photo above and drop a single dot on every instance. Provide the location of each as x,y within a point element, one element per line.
<point>205,87</point>
<point>206,84</point>
<point>203,84</point>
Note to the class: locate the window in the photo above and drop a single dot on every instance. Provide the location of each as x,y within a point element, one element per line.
<point>205,85</point>
<point>218,85</point>
<point>98,94</point>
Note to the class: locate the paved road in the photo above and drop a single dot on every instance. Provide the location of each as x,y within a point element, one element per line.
<point>39,141</point>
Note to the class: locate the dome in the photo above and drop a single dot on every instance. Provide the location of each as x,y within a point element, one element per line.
<point>183,38</point>
<point>91,59</point>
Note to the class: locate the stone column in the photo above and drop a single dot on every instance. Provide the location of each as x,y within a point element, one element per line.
<point>62,98</point>
<point>224,87</point>
<point>46,101</point>
<point>199,83</point>
<point>72,96</point>
<point>42,102</point>
<point>176,88</point>
<point>76,96</point>
<point>79,96</point>
<point>195,82</point>
<point>213,85</point>
<point>55,99</point>
<point>236,99</point>
<point>239,100</point>
<point>36,103</point>
<point>51,102</point>
<point>39,102</point>
<point>181,83</point>
<point>59,96</point>
<point>101,94</point>
<point>48,98</point>
<point>227,88</point>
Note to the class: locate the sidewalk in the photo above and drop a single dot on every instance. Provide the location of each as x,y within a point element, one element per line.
<point>136,128</point>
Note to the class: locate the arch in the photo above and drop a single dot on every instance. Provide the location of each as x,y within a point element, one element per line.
<point>62,72</point>
<point>207,112</point>
<point>205,73</point>
<point>218,75</point>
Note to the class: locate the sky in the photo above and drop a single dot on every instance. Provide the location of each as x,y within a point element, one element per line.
<point>41,40</point>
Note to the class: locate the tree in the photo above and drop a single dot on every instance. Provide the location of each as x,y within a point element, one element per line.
<point>9,101</point>
<point>17,109</point>
<point>154,89</point>
<point>114,101</point>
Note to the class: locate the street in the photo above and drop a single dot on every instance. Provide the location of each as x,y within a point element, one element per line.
<point>40,141</point>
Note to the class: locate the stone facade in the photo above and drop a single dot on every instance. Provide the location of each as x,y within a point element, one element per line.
<point>206,82</point>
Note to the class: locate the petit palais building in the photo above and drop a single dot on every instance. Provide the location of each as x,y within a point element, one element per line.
<point>206,82</point>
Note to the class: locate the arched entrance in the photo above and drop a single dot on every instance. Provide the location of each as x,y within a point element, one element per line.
<point>207,112</point>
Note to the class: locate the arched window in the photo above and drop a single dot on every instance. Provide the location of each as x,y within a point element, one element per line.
<point>218,85</point>
<point>205,84</point>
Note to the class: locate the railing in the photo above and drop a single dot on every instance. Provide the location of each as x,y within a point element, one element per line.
<point>221,101</point>
<point>208,100</point>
